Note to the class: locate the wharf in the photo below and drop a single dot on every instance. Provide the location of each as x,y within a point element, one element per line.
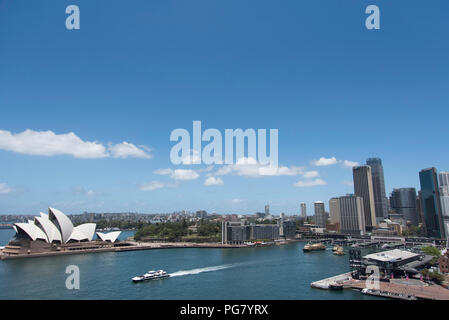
<point>341,279</point>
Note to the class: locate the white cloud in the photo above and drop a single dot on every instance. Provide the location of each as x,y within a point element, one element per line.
<point>324,161</point>
<point>5,189</point>
<point>310,183</point>
<point>236,200</point>
<point>330,161</point>
<point>348,182</point>
<point>179,174</point>
<point>192,158</point>
<point>311,174</point>
<point>48,143</point>
<point>125,149</point>
<point>213,181</point>
<point>153,185</point>
<point>350,164</point>
<point>251,168</point>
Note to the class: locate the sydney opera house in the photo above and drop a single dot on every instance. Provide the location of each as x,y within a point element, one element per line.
<point>54,232</point>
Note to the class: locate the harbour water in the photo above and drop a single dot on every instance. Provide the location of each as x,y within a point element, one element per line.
<point>276,272</point>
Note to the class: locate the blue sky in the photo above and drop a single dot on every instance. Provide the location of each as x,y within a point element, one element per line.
<point>137,70</point>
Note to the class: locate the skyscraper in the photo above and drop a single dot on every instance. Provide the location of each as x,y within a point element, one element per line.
<point>444,200</point>
<point>403,202</point>
<point>267,210</point>
<point>430,202</point>
<point>363,187</point>
<point>352,215</point>
<point>320,214</point>
<point>420,209</point>
<point>303,210</point>
<point>380,198</point>
<point>334,211</point>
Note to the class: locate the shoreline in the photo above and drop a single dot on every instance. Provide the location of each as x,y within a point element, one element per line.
<point>136,246</point>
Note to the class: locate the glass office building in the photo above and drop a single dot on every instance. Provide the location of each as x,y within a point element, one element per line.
<point>430,202</point>
<point>403,202</point>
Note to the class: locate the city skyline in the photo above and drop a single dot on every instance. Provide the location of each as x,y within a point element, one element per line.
<point>440,176</point>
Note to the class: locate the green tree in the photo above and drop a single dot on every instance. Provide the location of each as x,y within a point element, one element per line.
<point>431,251</point>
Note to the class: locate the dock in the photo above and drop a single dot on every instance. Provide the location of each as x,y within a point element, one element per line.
<point>341,279</point>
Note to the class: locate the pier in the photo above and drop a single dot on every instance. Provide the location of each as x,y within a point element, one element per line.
<point>340,279</point>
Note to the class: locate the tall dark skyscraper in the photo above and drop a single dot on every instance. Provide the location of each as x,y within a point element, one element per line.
<point>380,197</point>
<point>363,187</point>
<point>430,202</point>
<point>403,202</point>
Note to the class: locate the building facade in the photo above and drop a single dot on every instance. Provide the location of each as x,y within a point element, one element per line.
<point>444,178</point>
<point>289,229</point>
<point>303,210</point>
<point>334,212</point>
<point>320,214</point>
<point>444,200</point>
<point>238,233</point>
<point>352,216</point>
<point>363,187</point>
<point>403,203</point>
<point>380,197</point>
<point>430,202</point>
<point>267,210</point>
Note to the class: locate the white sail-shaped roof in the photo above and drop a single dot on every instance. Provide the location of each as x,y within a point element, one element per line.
<point>32,231</point>
<point>77,235</point>
<point>88,229</point>
<point>48,227</point>
<point>111,236</point>
<point>63,223</point>
<point>55,226</point>
<point>83,232</point>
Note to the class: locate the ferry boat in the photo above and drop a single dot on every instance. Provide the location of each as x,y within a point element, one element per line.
<point>151,275</point>
<point>338,250</point>
<point>314,246</point>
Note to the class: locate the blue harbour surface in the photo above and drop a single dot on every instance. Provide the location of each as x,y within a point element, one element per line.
<point>278,272</point>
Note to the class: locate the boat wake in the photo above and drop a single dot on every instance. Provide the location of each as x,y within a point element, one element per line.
<point>200,270</point>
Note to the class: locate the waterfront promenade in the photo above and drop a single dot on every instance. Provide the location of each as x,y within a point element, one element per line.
<point>395,288</point>
<point>411,287</point>
<point>130,246</point>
